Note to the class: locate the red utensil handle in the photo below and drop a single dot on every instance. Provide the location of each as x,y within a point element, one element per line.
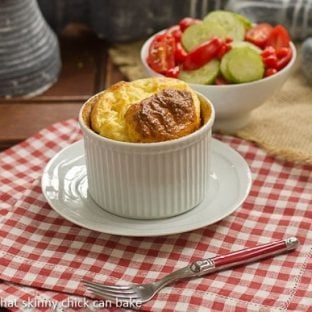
<point>244,256</point>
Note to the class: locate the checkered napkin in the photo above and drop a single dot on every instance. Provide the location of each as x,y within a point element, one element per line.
<point>45,256</point>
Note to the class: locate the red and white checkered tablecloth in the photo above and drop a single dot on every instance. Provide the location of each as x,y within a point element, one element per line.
<point>44,257</point>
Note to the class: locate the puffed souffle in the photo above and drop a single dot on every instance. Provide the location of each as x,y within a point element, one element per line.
<point>147,147</point>
<point>145,111</point>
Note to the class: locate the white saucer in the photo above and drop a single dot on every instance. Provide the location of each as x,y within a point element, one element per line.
<point>64,184</point>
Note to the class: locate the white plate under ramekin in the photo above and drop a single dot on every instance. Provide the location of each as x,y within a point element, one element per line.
<point>65,186</point>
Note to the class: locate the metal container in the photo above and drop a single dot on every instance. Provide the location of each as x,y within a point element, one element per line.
<point>124,20</point>
<point>295,15</point>
<point>29,51</point>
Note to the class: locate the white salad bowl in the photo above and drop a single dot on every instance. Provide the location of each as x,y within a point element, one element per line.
<point>233,103</point>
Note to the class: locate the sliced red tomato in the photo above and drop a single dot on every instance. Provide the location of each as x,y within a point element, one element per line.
<point>259,34</point>
<point>282,52</point>
<point>270,61</point>
<point>269,72</point>
<point>228,40</point>
<point>176,32</point>
<point>284,56</point>
<point>180,53</point>
<point>279,38</point>
<point>161,54</point>
<point>220,81</point>
<point>203,54</point>
<point>268,51</point>
<point>173,72</point>
<point>276,59</point>
<point>187,22</point>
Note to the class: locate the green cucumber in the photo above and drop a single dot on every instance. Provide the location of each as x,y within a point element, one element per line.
<point>244,20</point>
<point>206,74</point>
<point>196,34</point>
<point>232,25</point>
<point>224,68</point>
<point>242,64</point>
<point>221,24</point>
<point>237,44</point>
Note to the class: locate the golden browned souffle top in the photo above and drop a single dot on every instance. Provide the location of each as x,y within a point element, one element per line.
<point>166,115</point>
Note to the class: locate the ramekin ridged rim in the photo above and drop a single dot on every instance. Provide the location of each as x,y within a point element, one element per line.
<point>141,147</point>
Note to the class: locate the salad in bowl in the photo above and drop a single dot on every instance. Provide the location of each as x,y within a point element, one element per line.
<point>224,47</point>
<point>236,64</point>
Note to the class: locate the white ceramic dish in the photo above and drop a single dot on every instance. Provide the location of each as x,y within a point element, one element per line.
<point>233,103</point>
<point>148,180</point>
<point>64,184</point>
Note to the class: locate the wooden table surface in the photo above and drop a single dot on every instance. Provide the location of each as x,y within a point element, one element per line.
<point>86,69</point>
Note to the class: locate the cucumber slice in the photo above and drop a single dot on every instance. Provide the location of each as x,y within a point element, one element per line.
<point>244,20</point>
<point>242,64</point>
<point>206,74</point>
<point>198,33</point>
<point>232,25</point>
<point>220,24</point>
<point>224,68</point>
<point>237,44</point>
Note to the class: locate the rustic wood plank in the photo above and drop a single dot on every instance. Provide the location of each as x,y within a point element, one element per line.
<point>58,99</point>
<point>112,74</point>
<point>19,121</point>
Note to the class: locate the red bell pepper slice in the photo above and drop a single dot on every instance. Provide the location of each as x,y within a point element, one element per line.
<point>202,54</point>
<point>180,53</point>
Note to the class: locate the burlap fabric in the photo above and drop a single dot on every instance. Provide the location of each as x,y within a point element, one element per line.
<point>282,125</point>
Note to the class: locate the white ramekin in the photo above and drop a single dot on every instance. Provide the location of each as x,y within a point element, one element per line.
<point>148,180</point>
